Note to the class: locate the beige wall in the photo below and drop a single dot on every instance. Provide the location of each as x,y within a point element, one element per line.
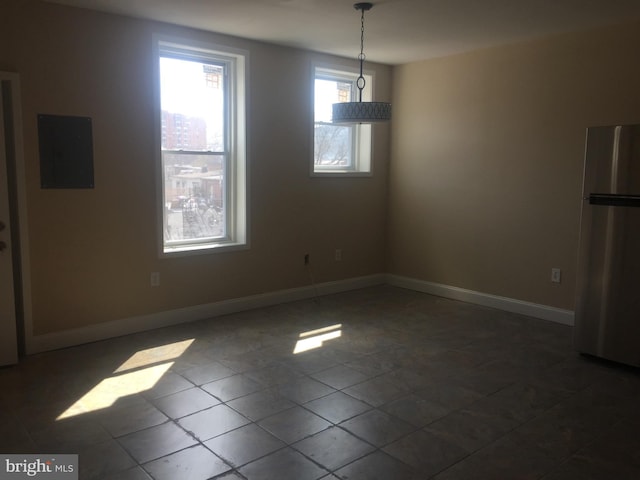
<point>487,156</point>
<point>92,251</point>
<point>483,191</point>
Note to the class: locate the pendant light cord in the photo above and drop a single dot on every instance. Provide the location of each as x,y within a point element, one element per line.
<point>361,82</point>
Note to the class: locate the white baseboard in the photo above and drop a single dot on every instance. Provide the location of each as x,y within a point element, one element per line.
<point>536,310</point>
<point>126,326</point>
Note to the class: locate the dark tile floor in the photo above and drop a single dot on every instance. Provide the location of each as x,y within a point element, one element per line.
<point>395,385</point>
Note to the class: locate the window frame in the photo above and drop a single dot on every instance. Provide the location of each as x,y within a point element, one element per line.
<point>362,134</point>
<point>235,154</point>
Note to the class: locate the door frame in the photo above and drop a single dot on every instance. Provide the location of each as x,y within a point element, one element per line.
<point>10,82</point>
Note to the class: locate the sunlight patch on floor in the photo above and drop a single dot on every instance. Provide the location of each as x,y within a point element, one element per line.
<point>316,338</point>
<point>138,378</point>
<point>153,355</point>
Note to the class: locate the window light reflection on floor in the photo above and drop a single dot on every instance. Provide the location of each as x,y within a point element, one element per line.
<point>143,370</point>
<point>315,338</point>
<point>153,355</point>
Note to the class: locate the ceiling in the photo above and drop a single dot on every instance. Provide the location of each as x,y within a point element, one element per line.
<point>396,31</point>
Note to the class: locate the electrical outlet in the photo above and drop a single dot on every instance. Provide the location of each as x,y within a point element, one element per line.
<point>338,255</point>
<point>155,279</point>
<point>556,275</point>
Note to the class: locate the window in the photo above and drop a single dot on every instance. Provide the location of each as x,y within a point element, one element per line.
<point>202,147</point>
<point>339,149</point>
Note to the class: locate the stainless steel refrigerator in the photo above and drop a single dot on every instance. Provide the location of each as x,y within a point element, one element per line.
<point>608,289</point>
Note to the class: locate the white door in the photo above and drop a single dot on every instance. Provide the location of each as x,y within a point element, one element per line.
<point>8,334</point>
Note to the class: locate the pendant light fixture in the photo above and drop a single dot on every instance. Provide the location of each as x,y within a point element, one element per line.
<point>361,112</point>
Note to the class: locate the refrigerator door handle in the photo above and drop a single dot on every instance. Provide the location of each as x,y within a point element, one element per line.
<point>614,200</point>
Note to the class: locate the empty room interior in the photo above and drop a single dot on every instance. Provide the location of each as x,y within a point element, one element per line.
<point>205,276</point>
